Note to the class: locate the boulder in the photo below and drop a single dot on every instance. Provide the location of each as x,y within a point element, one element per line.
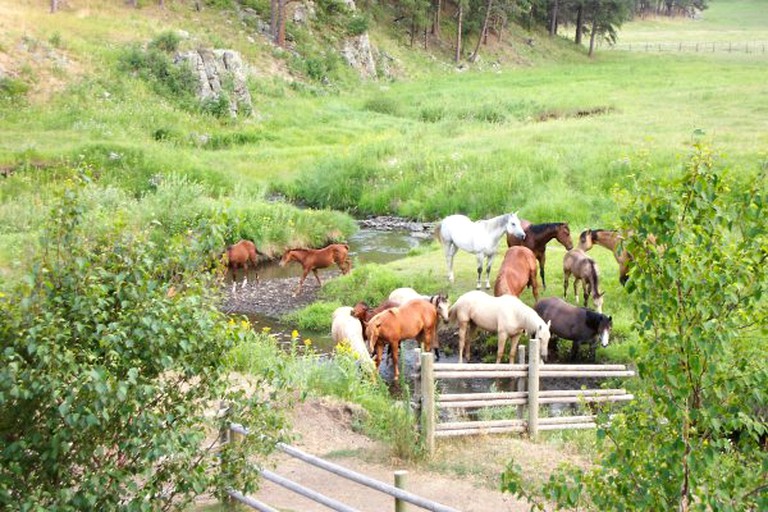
<point>220,72</point>
<point>358,53</point>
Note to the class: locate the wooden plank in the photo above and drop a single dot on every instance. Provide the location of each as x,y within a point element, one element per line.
<point>584,367</point>
<point>458,397</point>
<point>476,374</point>
<point>586,399</point>
<point>568,426</point>
<point>477,432</point>
<point>458,425</point>
<point>558,420</point>
<point>581,373</point>
<point>585,392</point>
<point>482,403</point>
<point>533,388</point>
<point>479,366</point>
<point>428,408</point>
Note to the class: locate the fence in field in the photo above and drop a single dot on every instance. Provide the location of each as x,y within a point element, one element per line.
<point>751,47</point>
<point>525,375</point>
<point>400,496</point>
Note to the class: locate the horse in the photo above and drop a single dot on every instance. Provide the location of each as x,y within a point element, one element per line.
<point>506,315</point>
<point>574,323</point>
<point>403,295</point>
<point>611,240</point>
<point>584,269</point>
<point>345,327</point>
<point>481,238</point>
<point>241,255</point>
<point>363,312</point>
<point>517,271</point>
<point>537,236</point>
<point>313,259</point>
<point>415,319</point>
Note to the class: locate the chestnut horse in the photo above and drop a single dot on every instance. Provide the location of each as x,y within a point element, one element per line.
<point>241,255</point>
<point>537,236</point>
<point>313,259</point>
<point>415,319</point>
<point>518,270</point>
<point>611,240</point>
<point>584,269</point>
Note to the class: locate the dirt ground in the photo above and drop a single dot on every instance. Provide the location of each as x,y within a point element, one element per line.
<point>463,474</point>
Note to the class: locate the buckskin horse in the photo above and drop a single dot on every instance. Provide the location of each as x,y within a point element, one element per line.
<point>240,256</point>
<point>313,259</point>
<point>537,236</point>
<point>584,269</point>
<point>611,240</point>
<point>481,238</point>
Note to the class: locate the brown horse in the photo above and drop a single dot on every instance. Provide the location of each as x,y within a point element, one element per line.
<point>415,319</point>
<point>580,325</point>
<point>313,259</point>
<point>240,256</point>
<point>363,312</point>
<point>611,240</point>
<point>537,236</point>
<point>584,269</point>
<point>518,271</point>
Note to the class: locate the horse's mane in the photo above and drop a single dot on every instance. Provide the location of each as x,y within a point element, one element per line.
<point>539,228</point>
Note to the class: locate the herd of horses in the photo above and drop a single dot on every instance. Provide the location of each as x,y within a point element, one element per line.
<point>407,314</point>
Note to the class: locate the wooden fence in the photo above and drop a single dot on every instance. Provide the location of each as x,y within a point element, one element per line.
<point>525,375</point>
<point>399,495</point>
<point>750,47</point>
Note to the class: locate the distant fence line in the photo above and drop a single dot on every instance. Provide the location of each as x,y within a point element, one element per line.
<point>759,47</point>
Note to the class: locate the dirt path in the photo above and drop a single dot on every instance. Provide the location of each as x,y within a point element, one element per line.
<point>464,473</point>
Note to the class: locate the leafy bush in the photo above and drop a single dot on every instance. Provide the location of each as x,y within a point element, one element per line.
<point>383,105</point>
<point>12,89</point>
<point>176,82</point>
<point>112,350</point>
<point>358,25</point>
<point>167,42</point>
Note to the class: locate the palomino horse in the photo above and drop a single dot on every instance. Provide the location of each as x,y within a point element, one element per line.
<point>403,295</point>
<point>481,238</point>
<point>505,315</point>
<point>346,327</point>
<point>240,256</point>
<point>313,259</point>
<point>517,271</point>
<point>574,323</point>
<point>537,236</point>
<point>584,269</point>
<point>415,319</point>
<point>611,240</point>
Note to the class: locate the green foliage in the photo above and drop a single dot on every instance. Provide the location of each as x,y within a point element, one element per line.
<point>175,82</point>
<point>700,245</point>
<point>111,348</point>
<point>167,42</point>
<point>383,105</point>
<point>12,90</point>
<point>358,25</point>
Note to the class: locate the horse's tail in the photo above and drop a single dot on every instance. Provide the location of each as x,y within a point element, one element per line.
<point>437,234</point>
<point>452,313</point>
<point>594,276</point>
<point>501,287</point>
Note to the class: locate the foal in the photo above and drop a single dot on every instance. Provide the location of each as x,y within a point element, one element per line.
<point>584,269</point>
<point>611,240</point>
<point>313,259</point>
<point>241,255</point>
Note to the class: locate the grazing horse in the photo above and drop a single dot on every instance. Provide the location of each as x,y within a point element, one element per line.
<point>313,259</point>
<point>363,312</point>
<point>505,315</point>
<point>517,271</point>
<point>611,240</point>
<point>415,319</point>
<point>481,238</point>
<point>537,236</point>
<point>240,256</point>
<point>584,269</point>
<point>346,327</point>
<point>574,323</point>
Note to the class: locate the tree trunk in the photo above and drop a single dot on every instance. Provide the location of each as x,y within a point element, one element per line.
<point>280,39</point>
<point>413,29</point>
<point>483,32</point>
<point>436,18</point>
<point>553,21</point>
<point>592,35</point>
<point>54,6</point>
<point>273,18</point>
<point>579,22</point>
<point>426,37</point>
<point>458,33</point>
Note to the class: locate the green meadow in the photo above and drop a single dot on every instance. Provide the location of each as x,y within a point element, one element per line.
<point>548,132</point>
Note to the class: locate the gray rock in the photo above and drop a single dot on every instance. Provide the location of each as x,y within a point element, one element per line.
<point>220,72</point>
<point>358,53</point>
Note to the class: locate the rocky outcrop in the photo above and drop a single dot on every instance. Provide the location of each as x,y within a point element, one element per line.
<point>358,53</point>
<point>220,73</point>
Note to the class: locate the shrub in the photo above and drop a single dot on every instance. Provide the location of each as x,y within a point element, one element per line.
<point>167,42</point>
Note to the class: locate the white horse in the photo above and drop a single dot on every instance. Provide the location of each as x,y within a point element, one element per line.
<point>403,295</point>
<point>346,327</point>
<point>481,238</point>
<point>506,315</point>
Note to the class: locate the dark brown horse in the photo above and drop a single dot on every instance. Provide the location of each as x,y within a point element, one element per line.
<point>611,240</point>
<point>313,259</point>
<point>574,323</point>
<point>240,256</point>
<point>584,269</point>
<point>415,319</point>
<point>537,236</point>
<point>518,271</point>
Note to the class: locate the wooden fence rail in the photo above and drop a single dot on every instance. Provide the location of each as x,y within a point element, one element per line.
<point>532,398</point>
<point>400,496</point>
<point>749,47</point>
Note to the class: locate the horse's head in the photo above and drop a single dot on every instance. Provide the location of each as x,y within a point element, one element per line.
<point>604,329</point>
<point>585,240</point>
<point>287,257</point>
<point>360,310</point>
<point>442,305</point>
<point>514,226</point>
<point>543,334</point>
<point>564,236</point>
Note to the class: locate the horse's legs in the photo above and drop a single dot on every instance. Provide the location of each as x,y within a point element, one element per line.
<point>487,272</point>
<point>502,343</point>
<point>463,339</point>
<point>314,271</point>
<point>542,260</point>
<point>586,289</point>
<point>480,257</point>
<point>575,350</point>
<point>394,348</point>
<point>513,347</point>
<point>450,252</point>
<point>566,277</point>
<point>534,285</point>
<point>301,282</point>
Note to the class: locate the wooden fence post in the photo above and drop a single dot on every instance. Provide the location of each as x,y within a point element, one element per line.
<point>428,402</point>
<point>520,381</point>
<point>401,482</point>
<point>533,389</point>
